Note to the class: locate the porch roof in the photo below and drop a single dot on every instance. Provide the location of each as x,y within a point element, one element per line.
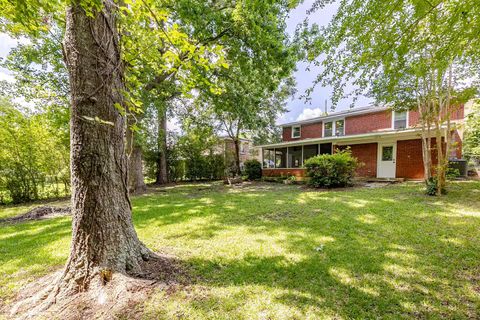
<point>410,133</point>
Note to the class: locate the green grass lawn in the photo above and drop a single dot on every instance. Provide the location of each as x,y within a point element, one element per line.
<point>272,251</point>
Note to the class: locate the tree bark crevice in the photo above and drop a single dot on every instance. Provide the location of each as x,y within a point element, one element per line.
<point>103,237</point>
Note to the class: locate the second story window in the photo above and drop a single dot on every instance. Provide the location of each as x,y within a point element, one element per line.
<point>340,127</point>
<point>296,132</point>
<point>399,120</point>
<point>334,128</point>
<point>328,129</point>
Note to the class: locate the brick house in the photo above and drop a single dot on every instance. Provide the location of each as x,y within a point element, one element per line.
<point>387,142</point>
<point>227,147</point>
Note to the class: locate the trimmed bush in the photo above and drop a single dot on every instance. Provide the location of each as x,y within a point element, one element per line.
<point>253,169</point>
<point>331,170</point>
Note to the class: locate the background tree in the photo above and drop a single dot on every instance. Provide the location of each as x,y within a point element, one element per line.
<point>471,144</point>
<point>248,103</point>
<point>410,55</point>
<point>243,30</point>
<point>33,158</point>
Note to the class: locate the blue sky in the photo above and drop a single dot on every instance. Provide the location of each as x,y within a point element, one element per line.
<point>298,108</point>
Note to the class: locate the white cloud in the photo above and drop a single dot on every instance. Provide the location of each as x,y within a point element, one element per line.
<point>5,76</point>
<point>173,125</point>
<point>309,113</point>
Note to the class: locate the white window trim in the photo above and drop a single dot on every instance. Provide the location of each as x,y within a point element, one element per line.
<point>334,126</point>
<point>393,120</point>
<point>300,130</point>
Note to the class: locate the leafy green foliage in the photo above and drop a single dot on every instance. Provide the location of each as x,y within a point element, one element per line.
<point>253,169</point>
<point>203,154</point>
<point>388,49</point>
<point>331,170</point>
<point>471,143</point>
<point>201,167</point>
<point>34,162</point>
<point>452,173</point>
<point>432,187</point>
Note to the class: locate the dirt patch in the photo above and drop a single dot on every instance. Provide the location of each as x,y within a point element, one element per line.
<point>122,297</point>
<point>39,213</point>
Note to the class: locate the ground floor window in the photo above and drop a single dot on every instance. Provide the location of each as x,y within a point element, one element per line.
<point>310,151</point>
<point>325,148</point>
<point>268,158</point>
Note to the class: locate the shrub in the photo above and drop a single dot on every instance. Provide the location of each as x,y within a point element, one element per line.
<point>331,170</point>
<point>452,173</point>
<point>215,167</point>
<point>253,169</point>
<point>33,159</point>
<point>432,187</point>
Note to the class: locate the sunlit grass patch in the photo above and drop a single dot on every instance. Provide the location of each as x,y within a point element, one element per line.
<point>271,251</point>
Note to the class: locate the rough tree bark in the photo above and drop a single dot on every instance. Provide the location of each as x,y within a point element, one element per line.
<point>162,174</point>
<point>103,239</point>
<point>136,181</point>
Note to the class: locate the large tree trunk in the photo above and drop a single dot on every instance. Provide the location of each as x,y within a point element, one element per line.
<point>162,174</point>
<point>103,239</point>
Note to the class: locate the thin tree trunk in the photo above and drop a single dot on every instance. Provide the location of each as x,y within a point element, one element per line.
<point>236,143</point>
<point>136,181</point>
<point>103,239</point>
<point>426,154</point>
<point>162,174</point>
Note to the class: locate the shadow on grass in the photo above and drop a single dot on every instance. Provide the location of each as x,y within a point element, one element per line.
<point>366,253</point>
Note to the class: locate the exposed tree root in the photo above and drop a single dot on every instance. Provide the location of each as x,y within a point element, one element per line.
<point>109,295</point>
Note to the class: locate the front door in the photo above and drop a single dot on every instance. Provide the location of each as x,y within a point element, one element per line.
<point>387,152</point>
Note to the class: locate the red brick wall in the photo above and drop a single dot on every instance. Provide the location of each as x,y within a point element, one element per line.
<point>369,122</point>
<point>456,145</point>
<point>307,131</point>
<point>366,154</point>
<point>363,123</point>
<point>413,115</point>
<point>410,159</point>
<point>458,113</point>
<point>287,134</point>
<point>299,173</point>
<point>312,130</point>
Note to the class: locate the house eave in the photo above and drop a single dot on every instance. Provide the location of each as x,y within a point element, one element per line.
<point>352,139</point>
<point>336,115</point>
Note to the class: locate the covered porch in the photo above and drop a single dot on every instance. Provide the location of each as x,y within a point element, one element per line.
<point>376,151</point>
<point>289,160</point>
